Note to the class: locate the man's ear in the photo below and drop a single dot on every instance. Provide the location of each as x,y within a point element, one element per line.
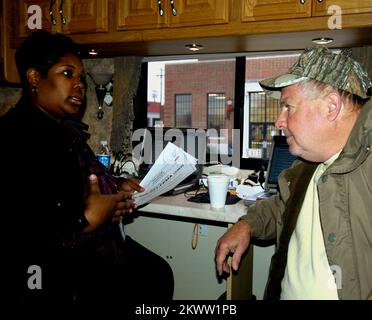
<point>334,105</point>
<point>33,77</point>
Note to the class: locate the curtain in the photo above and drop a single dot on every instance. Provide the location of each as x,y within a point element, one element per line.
<point>126,78</point>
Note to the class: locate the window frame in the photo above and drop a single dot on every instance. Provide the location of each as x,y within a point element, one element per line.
<point>189,106</point>
<point>215,106</point>
<point>239,98</point>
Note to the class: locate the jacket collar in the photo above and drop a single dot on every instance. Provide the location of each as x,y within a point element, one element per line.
<point>358,145</point>
<point>32,114</point>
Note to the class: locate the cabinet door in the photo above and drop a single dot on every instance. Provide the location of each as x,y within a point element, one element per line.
<point>198,12</point>
<point>140,14</point>
<point>144,14</point>
<point>81,16</point>
<point>347,6</point>
<point>84,16</point>
<point>260,10</point>
<point>8,68</point>
<point>2,38</point>
<point>21,25</point>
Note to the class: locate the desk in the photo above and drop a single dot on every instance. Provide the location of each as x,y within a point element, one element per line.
<point>239,285</point>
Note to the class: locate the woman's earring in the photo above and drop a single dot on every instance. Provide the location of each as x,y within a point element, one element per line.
<point>34,90</point>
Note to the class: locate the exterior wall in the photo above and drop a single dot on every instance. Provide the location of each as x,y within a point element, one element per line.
<point>198,79</point>
<point>201,78</point>
<point>258,68</point>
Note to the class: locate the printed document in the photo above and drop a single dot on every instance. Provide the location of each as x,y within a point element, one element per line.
<point>171,167</point>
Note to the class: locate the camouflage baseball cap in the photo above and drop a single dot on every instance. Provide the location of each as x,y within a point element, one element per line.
<point>321,64</point>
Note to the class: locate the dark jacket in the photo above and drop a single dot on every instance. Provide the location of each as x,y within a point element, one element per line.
<point>43,185</point>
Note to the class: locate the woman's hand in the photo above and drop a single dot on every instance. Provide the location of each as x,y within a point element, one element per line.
<point>100,208</point>
<point>128,186</point>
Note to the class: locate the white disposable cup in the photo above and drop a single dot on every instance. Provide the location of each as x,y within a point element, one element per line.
<point>217,188</point>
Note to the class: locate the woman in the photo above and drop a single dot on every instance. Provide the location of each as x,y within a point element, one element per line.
<point>61,209</point>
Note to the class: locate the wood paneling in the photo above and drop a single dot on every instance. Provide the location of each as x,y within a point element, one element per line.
<point>260,10</point>
<point>320,8</point>
<point>144,14</point>
<point>85,16</point>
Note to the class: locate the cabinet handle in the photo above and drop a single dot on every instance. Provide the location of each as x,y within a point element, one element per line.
<point>174,11</point>
<point>61,12</point>
<point>52,19</point>
<point>161,12</point>
<point>302,1</point>
<point>320,1</point>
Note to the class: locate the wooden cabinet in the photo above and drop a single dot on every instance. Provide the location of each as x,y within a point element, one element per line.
<point>8,70</point>
<point>135,27</point>
<point>1,45</point>
<point>145,14</point>
<point>320,8</point>
<point>66,16</point>
<point>19,11</point>
<point>86,16</point>
<point>261,10</point>
<point>139,14</point>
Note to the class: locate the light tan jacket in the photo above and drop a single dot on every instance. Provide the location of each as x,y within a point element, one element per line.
<point>345,204</point>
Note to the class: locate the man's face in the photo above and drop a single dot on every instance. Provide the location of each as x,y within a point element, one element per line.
<point>303,121</point>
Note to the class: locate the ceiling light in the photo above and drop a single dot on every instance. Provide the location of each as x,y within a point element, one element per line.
<point>194,47</point>
<point>93,52</point>
<point>322,40</point>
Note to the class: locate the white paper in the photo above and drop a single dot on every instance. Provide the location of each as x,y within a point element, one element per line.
<point>171,167</point>
<point>247,192</point>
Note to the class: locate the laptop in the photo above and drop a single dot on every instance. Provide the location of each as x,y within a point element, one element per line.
<point>280,159</point>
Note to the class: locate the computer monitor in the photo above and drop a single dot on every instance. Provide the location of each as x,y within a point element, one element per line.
<point>280,159</point>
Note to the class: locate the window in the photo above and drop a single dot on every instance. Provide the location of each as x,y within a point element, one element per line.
<point>263,111</point>
<point>183,110</point>
<point>216,110</point>
<point>197,94</point>
<point>220,95</point>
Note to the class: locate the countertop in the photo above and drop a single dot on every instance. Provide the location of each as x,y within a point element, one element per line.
<point>179,206</point>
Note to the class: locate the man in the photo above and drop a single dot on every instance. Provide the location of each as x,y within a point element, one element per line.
<point>322,217</point>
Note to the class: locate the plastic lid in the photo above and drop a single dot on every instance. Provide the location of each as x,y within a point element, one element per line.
<point>104,142</point>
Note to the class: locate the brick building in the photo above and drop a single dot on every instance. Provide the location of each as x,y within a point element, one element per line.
<point>153,113</point>
<point>201,79</point>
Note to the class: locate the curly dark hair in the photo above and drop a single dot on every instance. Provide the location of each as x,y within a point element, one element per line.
<point>41,50</point>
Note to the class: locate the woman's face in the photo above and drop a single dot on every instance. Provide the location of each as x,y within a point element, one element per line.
<point>62,91</point>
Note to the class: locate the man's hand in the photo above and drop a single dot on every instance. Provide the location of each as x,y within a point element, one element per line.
<point>235,240</point>
<point>99,208</point>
